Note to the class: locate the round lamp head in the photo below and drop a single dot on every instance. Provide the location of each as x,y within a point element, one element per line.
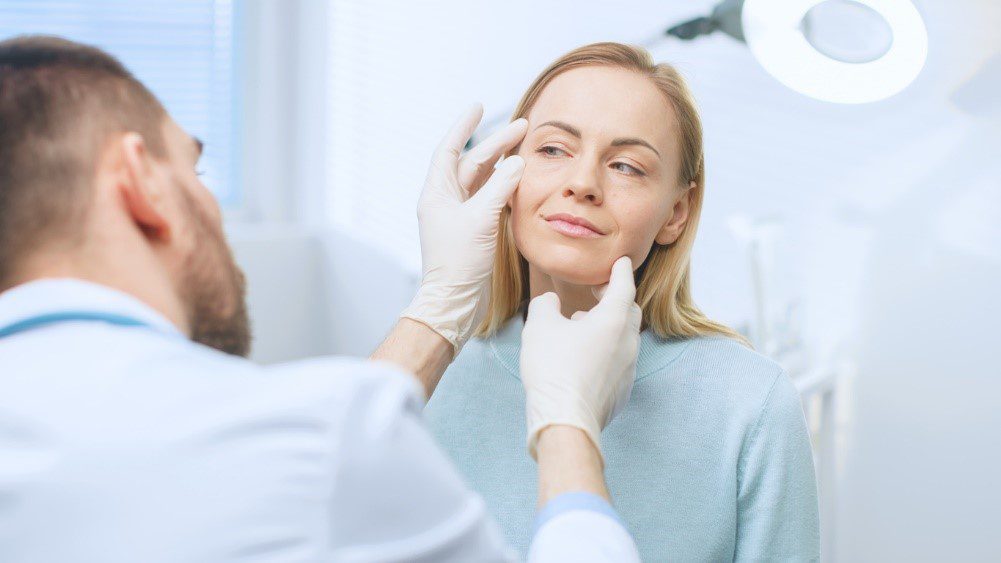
<point>774,31</point>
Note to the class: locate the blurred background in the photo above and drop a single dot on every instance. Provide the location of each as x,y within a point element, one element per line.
<point>858,244</point>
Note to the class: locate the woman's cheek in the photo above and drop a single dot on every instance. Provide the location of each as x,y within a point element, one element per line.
<point>521,207</point>
<point>638,227</point>
<point>530,193</point>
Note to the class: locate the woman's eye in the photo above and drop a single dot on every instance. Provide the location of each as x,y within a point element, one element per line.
<point>551,151</point>
<point>627,169</point>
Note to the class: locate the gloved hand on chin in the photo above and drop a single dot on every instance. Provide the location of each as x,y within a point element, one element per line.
<point>579,371</point>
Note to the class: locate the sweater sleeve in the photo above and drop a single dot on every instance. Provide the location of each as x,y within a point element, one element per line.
<point>777,513</point>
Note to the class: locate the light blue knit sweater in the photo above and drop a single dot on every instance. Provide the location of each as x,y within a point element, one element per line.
<point>709,461</point>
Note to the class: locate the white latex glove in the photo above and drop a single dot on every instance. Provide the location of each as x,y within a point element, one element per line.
<point>579,371</point>
<point>458,226</point>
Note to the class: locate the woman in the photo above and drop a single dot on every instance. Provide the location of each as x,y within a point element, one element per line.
<point>710,460</point>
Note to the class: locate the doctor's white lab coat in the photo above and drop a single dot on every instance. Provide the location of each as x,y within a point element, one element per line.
<point>133,444</point>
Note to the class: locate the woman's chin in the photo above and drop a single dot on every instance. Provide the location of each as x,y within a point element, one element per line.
<point>577,270</point>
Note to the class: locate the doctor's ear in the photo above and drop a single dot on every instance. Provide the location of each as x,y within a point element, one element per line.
<point>141,193</point>
<point>675,224</point>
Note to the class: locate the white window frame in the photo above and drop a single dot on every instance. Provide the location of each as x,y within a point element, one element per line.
<point>280,93</point>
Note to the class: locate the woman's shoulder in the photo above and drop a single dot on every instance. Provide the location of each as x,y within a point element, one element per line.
<point>731,356</point>
<point>478,351</point>
<point>476,380</point>
<point>719,365</point>
<point>480,363</point>
<point>722,353</point>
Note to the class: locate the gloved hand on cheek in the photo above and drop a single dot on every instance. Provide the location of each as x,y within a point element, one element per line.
<point>458,226</point>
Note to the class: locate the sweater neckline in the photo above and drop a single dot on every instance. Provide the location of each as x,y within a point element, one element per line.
<point>655,352</point>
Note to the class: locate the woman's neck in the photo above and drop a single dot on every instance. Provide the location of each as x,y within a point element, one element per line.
<point>573,297</point>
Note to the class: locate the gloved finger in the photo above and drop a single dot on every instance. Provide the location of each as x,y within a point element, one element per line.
<point>502,183</point>
<point>578,315</point>
<point>599,290</point>
<point>476,165</point>
<point>622,392</point>
<point>446,156</point>
<point>635,317</point>
<point>621,288</point>
<point>545,305</point>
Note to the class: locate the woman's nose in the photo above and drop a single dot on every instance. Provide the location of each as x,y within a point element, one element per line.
<point>584,186</point>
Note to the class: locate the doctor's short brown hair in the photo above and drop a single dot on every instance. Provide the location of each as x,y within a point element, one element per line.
<point>60,103</point>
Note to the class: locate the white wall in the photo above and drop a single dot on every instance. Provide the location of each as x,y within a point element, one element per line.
<point>287,291</point>
<point>314,293</point>
<point>924,426</point>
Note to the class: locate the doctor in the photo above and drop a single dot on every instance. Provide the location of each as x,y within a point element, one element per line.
<point>131,427</point>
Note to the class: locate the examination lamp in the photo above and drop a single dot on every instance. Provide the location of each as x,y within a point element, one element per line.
<point>842,51</point>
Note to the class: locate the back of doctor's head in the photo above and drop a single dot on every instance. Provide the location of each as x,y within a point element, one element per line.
<point>60,103</point>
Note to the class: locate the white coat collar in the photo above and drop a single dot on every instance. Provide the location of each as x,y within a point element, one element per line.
<point>59,295</point>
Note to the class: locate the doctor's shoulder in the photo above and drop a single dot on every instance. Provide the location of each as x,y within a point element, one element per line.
<point>327,386</point>
<point>351,384</point>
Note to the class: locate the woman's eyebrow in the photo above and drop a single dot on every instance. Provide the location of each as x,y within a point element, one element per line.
<point>634,141</point>
<point>564,126</point>
<point>616,143</point>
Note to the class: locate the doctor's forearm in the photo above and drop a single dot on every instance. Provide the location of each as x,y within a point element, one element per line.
<point>417,349</point>
<point>568,462</point>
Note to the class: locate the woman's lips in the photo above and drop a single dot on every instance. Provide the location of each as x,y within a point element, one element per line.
<point>572,226</point>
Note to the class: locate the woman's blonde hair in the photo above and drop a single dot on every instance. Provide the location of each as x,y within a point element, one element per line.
<point>663,289</point>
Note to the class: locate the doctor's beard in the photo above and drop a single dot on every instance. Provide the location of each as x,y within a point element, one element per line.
<point>214,289</point>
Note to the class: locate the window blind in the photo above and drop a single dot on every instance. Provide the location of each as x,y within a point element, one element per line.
<point>181,49</point>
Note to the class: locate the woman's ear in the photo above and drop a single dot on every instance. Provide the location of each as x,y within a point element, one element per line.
<point>675,224</point>
<point>142,194</point>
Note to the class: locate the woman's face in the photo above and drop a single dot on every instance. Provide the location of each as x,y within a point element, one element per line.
<point>601,175</point>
